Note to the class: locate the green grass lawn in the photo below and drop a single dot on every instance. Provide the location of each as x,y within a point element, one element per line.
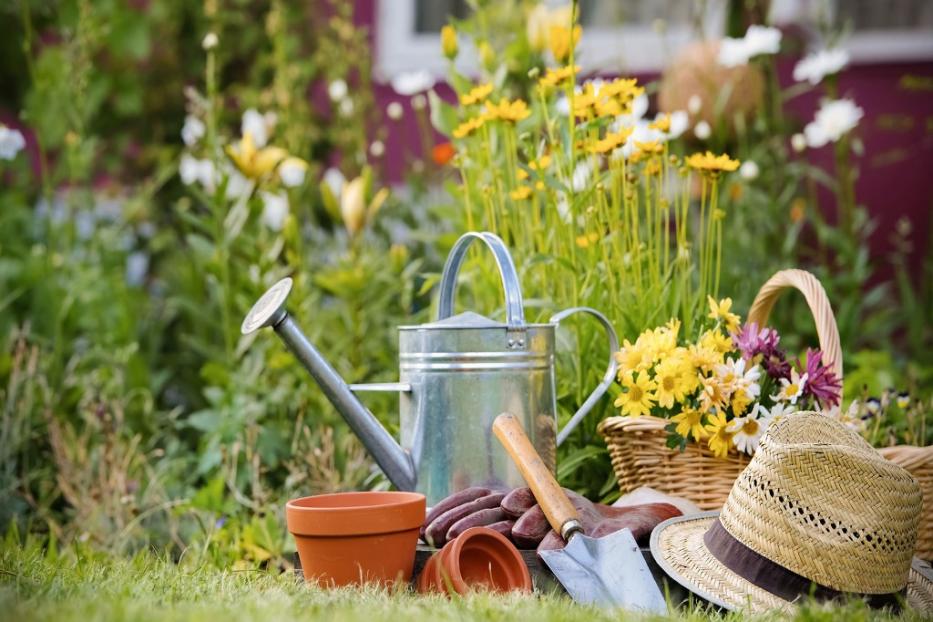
<point>84,586</point>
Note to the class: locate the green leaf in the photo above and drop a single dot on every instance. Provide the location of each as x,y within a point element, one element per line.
<point>443,115</point>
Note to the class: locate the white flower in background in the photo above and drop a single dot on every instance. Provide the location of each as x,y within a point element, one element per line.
<point>377,149</point>
<point>777,411</point>
<point>254,123</point>
<point>562,106</point>
<point>210,41</point>
<point>680,121</point>
<point>694,104</point>
<point>292,172</point>
<point>412,83</point>
<point>11,142</point>
<point>762,40</point>
<point>798,142</point>
<point>732,52</point>
<point>834,119</point>
<point>563,208</point>
<point>335,181</point>
<point>274,210</point>
<point>337,90</point>
<point>791,389</point>
<point>395,111</point>
<point>419,102</point>
<point>192,131</point>
<point>748,170</point>
<point>238,186</point>
<point>639,110</point>
<point>816,66</point>
<point>581,175</point>
<point>747,432</point>
<point>191,169</point>
<point>702,130</point>
<point>346,107</point>
<point>757,40</point>
<point>137,264</point>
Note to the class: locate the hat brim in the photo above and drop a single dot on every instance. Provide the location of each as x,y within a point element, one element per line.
<point>677,546</point>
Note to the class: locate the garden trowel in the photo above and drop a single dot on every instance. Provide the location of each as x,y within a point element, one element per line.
<point>609,571</point>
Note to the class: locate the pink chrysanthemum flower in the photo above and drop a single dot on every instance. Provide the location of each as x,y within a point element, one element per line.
<point>822,382</point>
<point>762,343</point>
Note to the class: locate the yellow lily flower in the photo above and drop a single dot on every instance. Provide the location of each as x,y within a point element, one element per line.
<point>254,163</point>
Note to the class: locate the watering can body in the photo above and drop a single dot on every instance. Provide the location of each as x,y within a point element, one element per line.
<point>456,375</point>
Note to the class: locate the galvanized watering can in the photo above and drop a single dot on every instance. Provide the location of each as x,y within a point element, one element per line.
<point>455,376</point>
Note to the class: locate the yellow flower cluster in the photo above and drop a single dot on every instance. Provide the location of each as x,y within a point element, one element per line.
<point>608,100</point>
<point>505,110</point>
<point>697,380</point>
<point>477,95</point>
<point>710,163</point>
<point>555,77</point>
<point>511,111</point>
<point>610,142</point>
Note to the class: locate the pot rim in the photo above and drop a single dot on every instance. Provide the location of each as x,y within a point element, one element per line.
<point>365,512</point>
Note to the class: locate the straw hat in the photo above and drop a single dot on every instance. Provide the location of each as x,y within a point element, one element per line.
<point>817,511</point>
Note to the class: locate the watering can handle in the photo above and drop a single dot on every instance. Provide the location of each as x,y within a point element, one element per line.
<point>515,314</point>
<point>608,378</point>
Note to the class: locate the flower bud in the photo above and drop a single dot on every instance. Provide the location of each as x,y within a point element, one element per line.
<point>449,42</point>
<point>353,206</point>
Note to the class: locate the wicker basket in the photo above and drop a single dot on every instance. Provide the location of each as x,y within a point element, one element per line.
<point>638,445</point>
<point>919,461</point>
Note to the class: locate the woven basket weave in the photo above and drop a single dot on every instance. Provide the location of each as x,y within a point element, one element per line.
<point>638,445</point>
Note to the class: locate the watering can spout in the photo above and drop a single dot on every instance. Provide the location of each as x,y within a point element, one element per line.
<point>270,311</point>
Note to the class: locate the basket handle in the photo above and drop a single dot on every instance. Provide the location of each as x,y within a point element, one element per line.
<point>813,291</point>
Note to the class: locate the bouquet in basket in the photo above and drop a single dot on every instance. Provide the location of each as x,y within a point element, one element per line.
<point>724,388</point>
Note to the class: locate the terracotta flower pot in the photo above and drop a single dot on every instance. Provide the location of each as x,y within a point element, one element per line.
<point>479,558</point>
<point>356,537</point>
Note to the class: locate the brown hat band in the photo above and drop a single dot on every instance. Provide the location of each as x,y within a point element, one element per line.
<point>778,580</point>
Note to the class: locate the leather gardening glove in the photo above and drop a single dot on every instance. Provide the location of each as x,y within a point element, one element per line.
<point>476,506</point>
<point>600,520</point>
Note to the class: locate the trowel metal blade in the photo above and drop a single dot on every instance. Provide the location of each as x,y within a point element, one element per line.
<point>609,571</point>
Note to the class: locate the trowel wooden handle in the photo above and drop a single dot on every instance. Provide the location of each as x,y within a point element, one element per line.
<point>550,496</point>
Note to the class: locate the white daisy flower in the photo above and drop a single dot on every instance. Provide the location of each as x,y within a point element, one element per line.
<point>792,389</point>
<point>702,130</point>
<point>254,124</point>
<point>337,90</point>
<point>274,210</point>
<point>816,66</point>
<point>193,130</point>
<point>834,119</point>
<point>748,170</point>
<point>746,432</point>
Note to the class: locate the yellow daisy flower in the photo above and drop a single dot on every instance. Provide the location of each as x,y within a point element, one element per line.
<point>651,146</point>
<point>715,340</point>
<point>662,123</point>
<point>720,438</point>
<point>690,423</point>
<point>554,77</point>
<point>469,126</point>
<point>505,110</point>
<point>637,399</point>
<point>477,95</point>
<point>711,163</point>
<point>520,194</point>
<point>720,312</point>
<point>669,375</point>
